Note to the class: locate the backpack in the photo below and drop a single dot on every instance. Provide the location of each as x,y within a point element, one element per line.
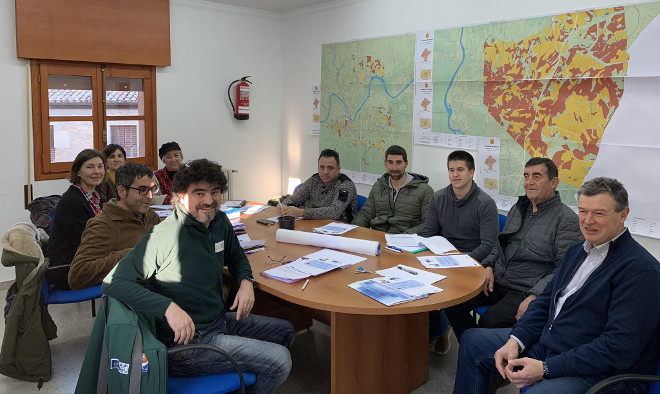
<point>123,354</point>
<point>41,209</point>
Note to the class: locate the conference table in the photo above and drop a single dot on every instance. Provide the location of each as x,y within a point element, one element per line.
<point>374,348</point>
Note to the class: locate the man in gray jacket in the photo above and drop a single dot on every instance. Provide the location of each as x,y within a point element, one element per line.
<point>468,218</point>
<point>538,230</point>
<point>328,194</point>
<point>398,200</point>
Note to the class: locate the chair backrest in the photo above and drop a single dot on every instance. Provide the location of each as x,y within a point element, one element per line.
<point>210,384</point>
<point>360,202</point>
<point>654,388</point>
<point>502,221</point>
<point>295,189</point>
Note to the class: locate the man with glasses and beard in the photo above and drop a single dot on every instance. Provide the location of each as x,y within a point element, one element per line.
<point>398,200</point>
<point>182,261</point>
<point>110,235</point>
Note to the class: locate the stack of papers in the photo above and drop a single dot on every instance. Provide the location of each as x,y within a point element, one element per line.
<point>251,209</point>
<point>163,213</point>
<point>314,264</point>
<point>399,284</point>
<point>231,204</point>
<point>247,243</point>
<point>239,228</point>
<point>392,291</point>
<point>335,228</point>
<point>413,243</point>
<point>448,261</point>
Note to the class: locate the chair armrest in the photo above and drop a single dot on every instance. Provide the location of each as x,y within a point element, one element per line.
<point>619,378</point>
<point>212,349</point>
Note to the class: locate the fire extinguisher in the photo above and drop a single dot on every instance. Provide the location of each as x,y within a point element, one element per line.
<point>242,108</point>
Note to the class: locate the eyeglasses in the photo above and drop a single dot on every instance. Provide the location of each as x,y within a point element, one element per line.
<point>271,260</point>
<point>143,191</point>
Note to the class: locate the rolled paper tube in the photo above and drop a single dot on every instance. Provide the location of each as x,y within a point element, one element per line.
<point>363,246</point>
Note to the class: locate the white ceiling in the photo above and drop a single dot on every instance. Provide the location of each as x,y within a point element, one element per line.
<point>280,6</point>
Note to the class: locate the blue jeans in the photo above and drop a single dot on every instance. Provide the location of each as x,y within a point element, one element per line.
<point>257,343</point>
<point>438,324</point>
<point>476,362</point>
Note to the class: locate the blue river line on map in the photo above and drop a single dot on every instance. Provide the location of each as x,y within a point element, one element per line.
<point>447,105</point>
<point>352,118</point>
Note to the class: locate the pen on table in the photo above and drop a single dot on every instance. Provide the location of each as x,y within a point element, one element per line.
<point>255,250</point>
<point>406,270</point>
<point>451,253</point>
<point>419,250</point>
<point>393,249</point>
<point>305,285</point>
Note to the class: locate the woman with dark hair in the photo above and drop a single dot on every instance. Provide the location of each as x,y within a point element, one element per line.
<point>171,155</point>
<point>78,204</point>
<point>115,157</point>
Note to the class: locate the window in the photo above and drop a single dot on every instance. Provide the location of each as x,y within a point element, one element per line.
<point>77,106</point>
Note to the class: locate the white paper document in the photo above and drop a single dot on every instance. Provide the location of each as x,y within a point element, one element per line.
<point>437,244</point>
<point>252,209</point>
<point>404,272</point>
<point>167,207</point>
<point>402,240</point>
<point>163,213</point>
<point>312,265</point>
<point>334,228</point>
<point>457,261</point>
<point>411,287</point>
<point>381,292</point>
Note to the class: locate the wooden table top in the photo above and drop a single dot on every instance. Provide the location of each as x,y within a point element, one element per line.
<point>330,291</point>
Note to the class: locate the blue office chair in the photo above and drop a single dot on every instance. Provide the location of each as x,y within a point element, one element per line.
<point>502,221</point>
<point>360,202</point>
<point>209,384</point>
<point>70,296</point>
<point>295,189</point>
<point>654,388</point>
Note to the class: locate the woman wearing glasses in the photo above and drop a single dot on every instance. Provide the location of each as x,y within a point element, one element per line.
<point>78,204</point>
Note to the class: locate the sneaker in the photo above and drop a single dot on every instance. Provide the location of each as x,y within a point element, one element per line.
<point>442,345</point>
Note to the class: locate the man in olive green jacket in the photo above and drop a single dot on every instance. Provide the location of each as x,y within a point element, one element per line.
<point>398,200</point>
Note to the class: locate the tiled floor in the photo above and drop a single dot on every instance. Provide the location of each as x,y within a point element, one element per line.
<point>310,353</point>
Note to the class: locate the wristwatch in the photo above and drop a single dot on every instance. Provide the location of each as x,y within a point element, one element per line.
<point>546,371</point>
<point>251,279</point>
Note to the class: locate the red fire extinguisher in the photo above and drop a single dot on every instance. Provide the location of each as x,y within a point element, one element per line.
<point>242,108</point>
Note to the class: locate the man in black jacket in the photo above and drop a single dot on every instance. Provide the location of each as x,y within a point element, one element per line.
<point>538,230</point>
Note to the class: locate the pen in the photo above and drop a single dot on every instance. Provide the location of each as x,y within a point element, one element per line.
<point>404,270</point>
<point>255,250</point>
<point>305,285</point>
<point>419,250</point>
<point>393,249</point>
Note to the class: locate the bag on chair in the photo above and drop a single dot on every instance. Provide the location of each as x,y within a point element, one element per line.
<point>123,354</point>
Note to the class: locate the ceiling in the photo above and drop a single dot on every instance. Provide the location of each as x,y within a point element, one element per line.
<point>280,6</point>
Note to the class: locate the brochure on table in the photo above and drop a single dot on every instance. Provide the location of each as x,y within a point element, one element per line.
<point>399,284</point>
<point>456,261</point>
<point>412,242</point>
<point>335,228</point>
<point>314,264</point>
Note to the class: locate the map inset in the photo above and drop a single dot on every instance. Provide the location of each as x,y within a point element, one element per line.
<point>367,100</point>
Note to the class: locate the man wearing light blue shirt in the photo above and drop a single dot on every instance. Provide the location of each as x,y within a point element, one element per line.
<point>599,316</point>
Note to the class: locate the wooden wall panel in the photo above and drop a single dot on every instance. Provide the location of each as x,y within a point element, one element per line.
<point>103,31</point>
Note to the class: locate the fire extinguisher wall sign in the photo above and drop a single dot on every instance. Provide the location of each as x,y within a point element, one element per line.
<point>242,94</point>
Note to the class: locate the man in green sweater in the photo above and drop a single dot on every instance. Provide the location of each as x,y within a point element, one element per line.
<point>398,200</point>
<point>182,261</point>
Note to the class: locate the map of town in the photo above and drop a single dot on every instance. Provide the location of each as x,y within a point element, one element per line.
<point>545,86</point>
<point>367,99</point>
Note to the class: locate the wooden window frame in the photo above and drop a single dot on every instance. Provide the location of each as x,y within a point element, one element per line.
<point>39,69</point>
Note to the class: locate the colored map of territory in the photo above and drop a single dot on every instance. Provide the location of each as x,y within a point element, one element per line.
<point>366,99</point>
<point>545,86</point>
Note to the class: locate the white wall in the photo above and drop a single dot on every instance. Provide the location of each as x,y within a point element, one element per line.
<point>212,45</point>
<point>304,31</point>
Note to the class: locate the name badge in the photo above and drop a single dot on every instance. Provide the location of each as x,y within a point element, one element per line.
<point>220,246</point>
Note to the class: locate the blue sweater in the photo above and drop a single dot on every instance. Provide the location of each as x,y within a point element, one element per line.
<point>611,325</point>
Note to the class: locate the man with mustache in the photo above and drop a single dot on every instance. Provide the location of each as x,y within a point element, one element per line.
<point>538,230</point>
<point>398,200</point>
<point>182,261</point>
